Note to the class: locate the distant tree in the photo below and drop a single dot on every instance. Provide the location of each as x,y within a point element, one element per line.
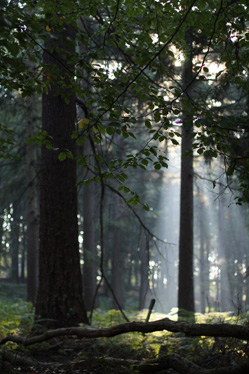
<point>89,241</point>
<point>14,245</point>
<point>116,247</point>
<point>144,270</point>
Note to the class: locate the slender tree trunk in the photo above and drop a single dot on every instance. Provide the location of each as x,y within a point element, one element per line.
<point>144,271</point>
<point>1,237</point>
<point>116,257</point>
<point>89,243</point>
<point>15,230</point>
<point>186,278</point>
<point>225,296</point>
<point>32,207</point>
<point>23,258</point>
<point>60,296</point>
<point>203,285</point>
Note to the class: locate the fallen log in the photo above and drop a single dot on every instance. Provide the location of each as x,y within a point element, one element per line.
<point>189,329</point>
<point>183,365</point>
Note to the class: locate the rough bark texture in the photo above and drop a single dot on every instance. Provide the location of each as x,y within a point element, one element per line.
<point>32,207</point>
<point>186,280</point>
<point>60,300</point>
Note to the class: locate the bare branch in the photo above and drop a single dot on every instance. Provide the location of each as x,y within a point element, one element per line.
<point>190,329</point>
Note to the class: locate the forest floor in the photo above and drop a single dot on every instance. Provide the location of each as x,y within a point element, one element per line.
<point>100,356</point>
<point>122,354</point>
<point>72,356</point>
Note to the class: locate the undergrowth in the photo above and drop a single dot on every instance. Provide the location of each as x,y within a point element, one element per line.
<point>16,317</point>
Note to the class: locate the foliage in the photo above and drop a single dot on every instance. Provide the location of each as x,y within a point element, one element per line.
<point>124,59</point>
<point>124,52</point>
<point>15,318</point>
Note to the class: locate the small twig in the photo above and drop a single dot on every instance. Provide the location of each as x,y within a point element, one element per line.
<point>151,306</point>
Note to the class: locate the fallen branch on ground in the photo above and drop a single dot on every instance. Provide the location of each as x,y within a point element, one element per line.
<point>190,329</point>
<point>183,365</point>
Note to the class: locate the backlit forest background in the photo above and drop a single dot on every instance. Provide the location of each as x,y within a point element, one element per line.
<point>158,93</point>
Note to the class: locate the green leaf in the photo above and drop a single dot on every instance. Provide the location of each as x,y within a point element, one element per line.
<point>174,141</point>
<point>146,207</point>
<point>157,166</point>
<point>126,190</point>
<point>148,124</point>
<point>62,156</point>
<point>157,116</point>
<point>69,155</point>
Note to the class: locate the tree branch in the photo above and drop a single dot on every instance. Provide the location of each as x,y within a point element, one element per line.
<point>183,365</point>
<point>190,329</point>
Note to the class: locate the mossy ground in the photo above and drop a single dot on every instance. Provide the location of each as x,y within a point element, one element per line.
<point>107,355</point>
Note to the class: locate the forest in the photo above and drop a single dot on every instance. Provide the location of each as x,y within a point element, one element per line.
<point>124,186</point>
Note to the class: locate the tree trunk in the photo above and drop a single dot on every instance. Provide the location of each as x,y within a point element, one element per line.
<point>15,230</point>
<point>89,243</point>
<point>204,269</point>
<point>116,254</point>
<point>225,296</point>
<point>32,210</point>
<point>144,270</point>
<point>23,256</point>
<point>60,297</point>
<point>186,279</point>
<point>1,238</point>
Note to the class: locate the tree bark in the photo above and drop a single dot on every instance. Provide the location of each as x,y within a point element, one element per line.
<point>144,270</point>
<point>186,278</point>
<point>116,256</point>
<point>225,296</point>
<point>32,207</point>
<point>15,229</point>
<point>89,243</point>
<point>59,301</point>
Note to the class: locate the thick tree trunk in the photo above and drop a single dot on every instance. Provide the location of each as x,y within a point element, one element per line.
<point>186,278</point>
<point>60,300</point>
<point>32,208</point>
